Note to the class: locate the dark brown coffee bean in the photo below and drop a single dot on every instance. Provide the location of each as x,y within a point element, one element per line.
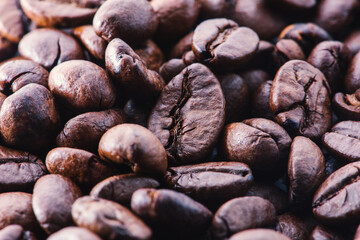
<point>176,17</point>
<point>347,105</point>
<point>174,212</point>
<point>211,183</point>
<point>135,146</point>
<point>171,68</point>
<point>16,232</point>
<point>216,8</point>
<point>82,167</point>
<point>60,13</point>
<point>336,201</point>
<point>299,99</point>
<point>7,49</point>
<point>353,42</point>
<point>49,47</point>
<point>332,58</point>
<point>352,79</point>
<point>322,233</point>
<point>260,101</point>
<point>291,226</point>
<point>92,42</point>
<point>74,233</point>
<point>307,35</point>
<point>242,213</point>
<point>19,170</point>
<point>11,21</point>
<point>182,46</point>
<point>52,201</point>
<point>286,50</point>
<point>121,187</point>
<point>306,170</point>
<point>259,234</point>
<point>85,130</point>
<point>109,220</point>
<point>28,118</point>
<point>16,208</point>
<point>256,15</point>
<point>130,71</point>
<point>190,109</point>
<point>221,43</point>
<point>14,74</point>
<point>136,112</point>
<point>343,140</point>
<point>82,86</point>
<point>189,58</point>
<point>296,5</point>
<point>151,54</point>
<point>133,21</point>
<point>254,78</point>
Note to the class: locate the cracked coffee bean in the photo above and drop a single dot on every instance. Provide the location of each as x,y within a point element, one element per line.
<point>347,105</point>
<point>191,108</point>
<point>222,44</point>
<point>299,99</point>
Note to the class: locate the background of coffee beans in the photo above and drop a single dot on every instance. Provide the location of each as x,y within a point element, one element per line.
<point>180,119</point>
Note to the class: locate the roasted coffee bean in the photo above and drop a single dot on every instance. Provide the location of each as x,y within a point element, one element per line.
<point>49,47</point>
<point>173,212</point>
<point>299,99</point>
<point>221,43</point>
<point>121,187</point>
<point>19,170</point>
<point>336,201</point>
<point>260,101</point>
<point>343,140</point>
<point>60,13</point>
<point>242,213</point>
<point>322,233</point>
<point>286,50</point>
<point>28,118</point>
<point>92,42</point>
<point>332,58</point>
<point>254,78</point>
<point>307,35</point>
<point>16,232</point>
<point>16,208</point>
<point>176,17</point>
<point>291,226</point>
<point>14,74</point>
<point>7,49</point>
<point>82,167</point>
<point>182,46</point>
<point>85,130</point>
<point>296,5</point>
<point>353,42</point>
<point>134,21</point>
<point>260,143</point>
<point>75,233</point>
<point>108,219</point>
<point>189,58</point>
<point>352,79</point>
<point>191,108</point>
<point>131,72</point>
<point>259,234</point>
<point>151,54</point>
<point>171,68</point>
<point>216,8</point>
<point>82,86</point>
<point>236,95</point>
<point>211,183</point>
<point>357,234</point>
<point>12,26</point>
<point>136,112</point>
<point>262,58</point>
<point>135,146</point>
<point>52,201</point>
<point>347,105</point>
<point>306,171</point>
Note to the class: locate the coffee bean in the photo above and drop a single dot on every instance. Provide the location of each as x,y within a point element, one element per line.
<point>286,50</point>
<point>357,234</point>
<point>75,233</point>
<point>182,46</point>
<point>352,42</point>
<point>121,187</point>
<point>191,109</point>
<point>242,213</point>
<point>352,79</point>
<point>12,26</point>
<point>254,78</point>
<point>216,8</point>
<point>296,5</point>
<point>299,99</point>
<point>108,219</point>
<point>19,170</point>
<point>171,68</point>
<point>151,54</point>
<point>136,112</point>
<point>291,226</point>
<point>347,105</point>
<point>52,201</point>
<point>211,183</point>
<point>135,146</point>
<point>260,101</point>
<point>259,234</point>
<point>320,233</point>
<point>16,232</point>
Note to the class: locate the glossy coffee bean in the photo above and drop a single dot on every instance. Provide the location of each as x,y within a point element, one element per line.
<point>342,141</point>
<point>352,79</point>
<point>174,212</point>
<point>240,214</point>
<point>260,101</point>
<point>49,47</point>
<point>108,219</point>
<point>221,43</point>
<point>171,68</point>
<point>191,108</point>
<point>259,234</point>
<point>131,20</point>
<point>75,233</point>
<point>299,99</point>
<point>347,105</point>
<point>28,118</point>
<point>151,54</point>
<point>16,232</point>
<point>19,170</point>
<point>85,130</point>
<point>211,183</point>
<point>52,201</point>
<point>286,50</point>
<point>16,208</point>
<point>12,25</point>
<point>136,112</point>
<point>336,200</point>
<point>120,188</point>
<point>135,146</point>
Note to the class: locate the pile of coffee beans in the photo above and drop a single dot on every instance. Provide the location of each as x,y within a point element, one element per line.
<point>180,119</point>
